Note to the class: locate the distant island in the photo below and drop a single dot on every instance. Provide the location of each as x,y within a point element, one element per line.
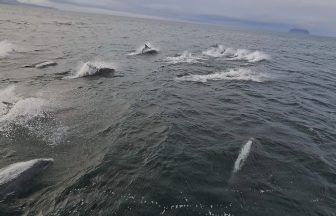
<point>299,31</point>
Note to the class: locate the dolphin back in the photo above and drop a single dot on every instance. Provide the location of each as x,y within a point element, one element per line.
<point>14,176</point>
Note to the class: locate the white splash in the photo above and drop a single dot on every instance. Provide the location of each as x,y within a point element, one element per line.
<point>7,99</point>
<point>91,69</point>
<point>244,153</point>
<point>250,56</point>
<point>141,50</point>
<point>25,110</point>
<point>6,48</point>
<point>233,74</point>
<point>236,54</point>
<point>13,107</point>
<point>186,57</point>
<point>28,112</point>
<point>217,51</point>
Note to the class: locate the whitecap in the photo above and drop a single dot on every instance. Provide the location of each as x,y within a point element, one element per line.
<point>241,74</point>
<point>6,48</point>
<point>244,153</point>
<point>185,57</point>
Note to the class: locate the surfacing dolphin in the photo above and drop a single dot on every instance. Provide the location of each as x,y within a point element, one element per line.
<point>149,50</point>
<point>100,69</point>
<point>14,176</point>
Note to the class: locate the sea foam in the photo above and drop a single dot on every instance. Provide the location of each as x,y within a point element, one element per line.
<point>243,155</point>
<point>241,74</point>
<point>6,48</point>
<point>236,54</point>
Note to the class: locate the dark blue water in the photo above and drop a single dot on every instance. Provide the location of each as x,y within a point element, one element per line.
<point>221,121</point>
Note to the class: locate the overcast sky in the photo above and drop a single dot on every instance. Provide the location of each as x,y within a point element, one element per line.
<point>318,16</point>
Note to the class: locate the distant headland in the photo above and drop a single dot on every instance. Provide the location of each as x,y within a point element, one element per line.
<point>299,31</point>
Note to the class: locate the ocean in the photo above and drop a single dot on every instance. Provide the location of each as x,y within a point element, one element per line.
<point>216,121</point>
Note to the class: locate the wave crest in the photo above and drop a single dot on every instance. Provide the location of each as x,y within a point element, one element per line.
<point>233,74</point>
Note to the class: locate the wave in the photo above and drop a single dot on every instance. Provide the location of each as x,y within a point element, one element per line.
<point>92,69</point>
<point>6,48</point>
<point>233,74</point>
<point>143,51</point>
<point>186,57</point>
<point>236,54</point>
<point>244,153</point>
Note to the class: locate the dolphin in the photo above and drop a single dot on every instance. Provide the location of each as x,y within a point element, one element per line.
<point>244,153</point>
<point>41,65</point>
<point>7,103</point>
<point>45,64</point>
<point>101,70</point>
<point>148,50</point>
<point>7,108</point>
<point>145,49</point>
<point>14,177</point>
